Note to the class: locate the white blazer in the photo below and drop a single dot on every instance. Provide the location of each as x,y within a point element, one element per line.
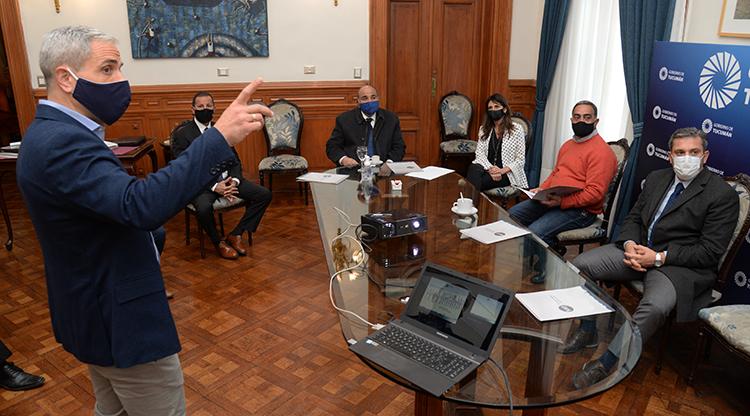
<point>513,154</point>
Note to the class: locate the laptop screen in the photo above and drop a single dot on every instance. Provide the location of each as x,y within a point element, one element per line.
<point>459,306</point>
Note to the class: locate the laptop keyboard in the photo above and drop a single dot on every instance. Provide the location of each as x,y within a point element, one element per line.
<point>421,350</point>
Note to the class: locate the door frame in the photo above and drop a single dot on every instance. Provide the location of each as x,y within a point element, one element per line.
<point>494,48</point>
<point>18,63</point>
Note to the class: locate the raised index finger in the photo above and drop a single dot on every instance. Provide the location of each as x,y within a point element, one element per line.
<point>247,93</point>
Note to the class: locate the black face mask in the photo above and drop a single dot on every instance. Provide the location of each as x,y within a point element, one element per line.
<point>583,129</point>
<point>496,115</point>
<point>204,116</point>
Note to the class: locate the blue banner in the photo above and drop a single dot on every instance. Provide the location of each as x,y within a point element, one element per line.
<point>705,86</point>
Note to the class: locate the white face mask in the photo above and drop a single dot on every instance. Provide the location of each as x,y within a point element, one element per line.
<point>686,167</point>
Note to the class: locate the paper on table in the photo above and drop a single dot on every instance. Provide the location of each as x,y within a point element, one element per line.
<point>572,302</point>
<point>494,232</point>
<point>555,190</point>
<point>8,155</point>
<point>400,168</point>
<point>430,172</point>
<point>320,177</point>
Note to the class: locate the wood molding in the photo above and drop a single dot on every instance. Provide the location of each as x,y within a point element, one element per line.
<point>18,65</point>
<point>522,96</point>
<point>156,109</point>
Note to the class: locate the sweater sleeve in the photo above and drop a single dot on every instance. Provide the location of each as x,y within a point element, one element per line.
<point>480,154</point>
<point>600,168</point>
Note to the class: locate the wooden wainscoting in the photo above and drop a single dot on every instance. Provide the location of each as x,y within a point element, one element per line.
<point>522,96</point>
<point>156,109</point>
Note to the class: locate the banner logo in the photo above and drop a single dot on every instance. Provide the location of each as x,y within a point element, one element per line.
<point>663,72</point>
<point>707,125</point>
<point>719,80</point>
<point>657,112</point>
<point>650,149</point>
<point>740,279</point>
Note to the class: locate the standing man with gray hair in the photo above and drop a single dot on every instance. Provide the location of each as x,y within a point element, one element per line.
<point>105,288</point>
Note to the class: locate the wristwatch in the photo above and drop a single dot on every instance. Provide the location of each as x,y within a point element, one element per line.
<point>658,262</point>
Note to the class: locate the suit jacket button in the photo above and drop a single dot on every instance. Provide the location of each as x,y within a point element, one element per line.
<point>213,171</point>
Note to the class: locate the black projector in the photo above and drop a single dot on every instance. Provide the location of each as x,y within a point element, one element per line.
<point>390,224</point>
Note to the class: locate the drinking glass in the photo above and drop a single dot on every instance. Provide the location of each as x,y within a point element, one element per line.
<point>361,154</point>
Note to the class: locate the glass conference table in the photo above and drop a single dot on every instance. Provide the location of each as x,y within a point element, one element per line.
<point>540,376</point>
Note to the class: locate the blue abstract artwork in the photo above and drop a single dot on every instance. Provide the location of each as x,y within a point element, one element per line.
<point>198,28</point>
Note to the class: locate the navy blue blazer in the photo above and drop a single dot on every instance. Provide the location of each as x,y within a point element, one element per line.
<point>105,288</point>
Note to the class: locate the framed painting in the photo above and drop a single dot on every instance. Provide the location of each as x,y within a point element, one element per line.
<point>735,19</point>
<point>198,28</point>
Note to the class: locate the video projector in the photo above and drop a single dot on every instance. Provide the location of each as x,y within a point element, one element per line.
<point>395,223</point>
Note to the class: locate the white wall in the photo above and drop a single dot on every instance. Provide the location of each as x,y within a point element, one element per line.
<point>524,40</point>
<point>301,32</point>
<point>702,23</point>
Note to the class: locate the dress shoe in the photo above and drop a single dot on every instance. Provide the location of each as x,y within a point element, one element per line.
<point>580,340</point>
<point>236,242</point>
<point>592,373</point>
<point>226,252</point>
<point>13,378</point>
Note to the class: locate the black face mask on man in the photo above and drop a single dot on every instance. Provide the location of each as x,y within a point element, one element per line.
<point>583,129</point>
<point>205,115</point>
<point>106,101</point>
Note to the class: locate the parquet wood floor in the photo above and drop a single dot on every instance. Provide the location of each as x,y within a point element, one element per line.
<point>260,338</point>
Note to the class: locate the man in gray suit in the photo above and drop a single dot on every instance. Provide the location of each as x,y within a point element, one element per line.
<point>672,240</point>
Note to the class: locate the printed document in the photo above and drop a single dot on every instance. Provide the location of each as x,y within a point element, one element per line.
<point>430,172</point>
<point>494,232</point>
<point>572,302</point>
<point>322,177</point>
<point>401,168</point>
<point>555,190</point>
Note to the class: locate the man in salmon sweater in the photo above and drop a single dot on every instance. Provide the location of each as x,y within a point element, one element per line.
<point>585,161</point>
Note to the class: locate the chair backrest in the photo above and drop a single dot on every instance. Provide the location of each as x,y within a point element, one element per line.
<point>522,121</point>
<point>741,184</point>
<point>284,130</point>
<point>621,149</point>
<point>455,112</point>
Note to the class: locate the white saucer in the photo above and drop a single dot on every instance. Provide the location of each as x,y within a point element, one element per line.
<point>472,211</point>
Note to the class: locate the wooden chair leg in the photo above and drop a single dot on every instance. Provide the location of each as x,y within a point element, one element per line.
<point>201,242</point>
<point>187,227</point>
<point>260,176</point>
<point>616,295</point>
<point>580,248</point>
<point>221,223</point>
<point>270,181</point>
<point>697,355</point>
<point>307,189</point>
<point>663,344</point>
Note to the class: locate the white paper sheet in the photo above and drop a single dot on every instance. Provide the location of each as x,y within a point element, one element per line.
<point>401,168</point>
<point>572,302</point>
<point>430,172</point>
<point>555,190</point>
<point>494,232</point>
<point>320,177</point>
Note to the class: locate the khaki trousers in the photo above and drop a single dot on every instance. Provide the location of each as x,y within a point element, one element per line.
<point>150,389</point>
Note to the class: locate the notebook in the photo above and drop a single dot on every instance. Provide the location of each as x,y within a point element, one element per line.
<point>448,329</point>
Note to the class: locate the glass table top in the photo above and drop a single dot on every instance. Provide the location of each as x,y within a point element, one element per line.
<point>540,376</point>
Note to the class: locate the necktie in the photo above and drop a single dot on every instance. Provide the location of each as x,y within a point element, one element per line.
<point>370,142</point>
<point>677,191</point>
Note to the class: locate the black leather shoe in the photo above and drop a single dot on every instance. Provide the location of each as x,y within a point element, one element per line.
<point>592,373</point>
<point>538,278</point>
<point>580,340</point>
<point>13,378</point>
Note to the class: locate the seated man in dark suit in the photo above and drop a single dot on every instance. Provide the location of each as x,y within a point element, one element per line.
<point>367,125</point>
<point>672,240</point>
<point>12,377</point>
<point>230,184</point>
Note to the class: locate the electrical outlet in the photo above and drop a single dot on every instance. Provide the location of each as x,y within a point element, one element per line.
<point>309,69</point>
<point>357,72</point>
<point>222,72</point>
<point>40,81</point>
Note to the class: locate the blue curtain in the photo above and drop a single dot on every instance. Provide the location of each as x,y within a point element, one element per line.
<point>642,22</point>
<point>553,28</point>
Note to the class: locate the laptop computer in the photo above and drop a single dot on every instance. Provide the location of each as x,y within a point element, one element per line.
<point>448,329</point>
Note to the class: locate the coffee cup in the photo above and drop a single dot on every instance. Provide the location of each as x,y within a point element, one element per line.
<point>375,159</point>
<point>463,205</point>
